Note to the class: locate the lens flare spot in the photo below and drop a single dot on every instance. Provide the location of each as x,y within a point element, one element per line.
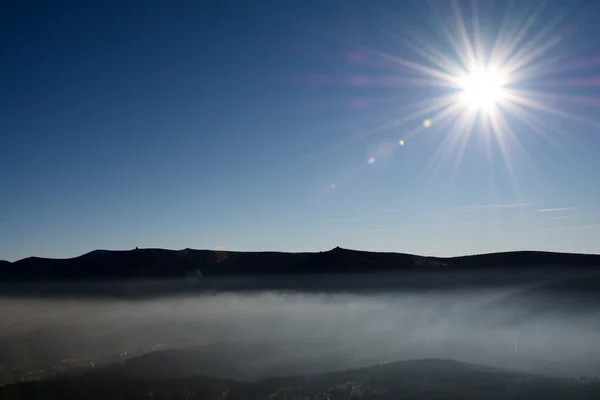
<point>427,123</point>
<point>401,142</point>
<point>333,185</point>
<point>371,160</point>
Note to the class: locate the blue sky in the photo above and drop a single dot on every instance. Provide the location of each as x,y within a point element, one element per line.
<point>250,126</point>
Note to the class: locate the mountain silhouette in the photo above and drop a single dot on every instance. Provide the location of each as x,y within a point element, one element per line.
<point>162,263</point>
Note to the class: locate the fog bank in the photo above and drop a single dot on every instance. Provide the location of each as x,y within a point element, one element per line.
<point>304,332</point>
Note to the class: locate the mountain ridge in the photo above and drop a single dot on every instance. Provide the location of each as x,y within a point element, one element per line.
<point>157,263</point>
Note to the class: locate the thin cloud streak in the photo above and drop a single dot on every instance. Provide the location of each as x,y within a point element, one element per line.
<point>388,211</point>
<point>564,217</point>
<point>435,214</point>
<point>343,219</point>
<point>573,227</point>
<point>487,207</point>
<point>493,207</point>
<point>555,209</point>
<point>374,230</point>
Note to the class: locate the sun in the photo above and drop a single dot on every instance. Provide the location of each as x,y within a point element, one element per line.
<point>482,89</point>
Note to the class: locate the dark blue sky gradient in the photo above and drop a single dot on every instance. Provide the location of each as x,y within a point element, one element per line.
<point>249,126</point>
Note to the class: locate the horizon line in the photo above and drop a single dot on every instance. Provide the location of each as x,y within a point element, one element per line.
<point>303,252</point>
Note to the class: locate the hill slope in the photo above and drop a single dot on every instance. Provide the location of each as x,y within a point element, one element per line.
<point>423,379</point>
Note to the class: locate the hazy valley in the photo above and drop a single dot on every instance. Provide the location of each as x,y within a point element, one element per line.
<point>260,333</point>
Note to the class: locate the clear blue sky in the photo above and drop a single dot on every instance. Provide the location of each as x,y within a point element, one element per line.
<point>249,126</point>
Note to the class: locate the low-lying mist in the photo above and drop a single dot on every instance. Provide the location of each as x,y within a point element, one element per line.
<point>269,332</point>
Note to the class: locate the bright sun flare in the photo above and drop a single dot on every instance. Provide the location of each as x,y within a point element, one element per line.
<point>482,89</point>
<point>483,82</point>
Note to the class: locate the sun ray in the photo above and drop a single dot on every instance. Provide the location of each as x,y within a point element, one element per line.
<point>539,69</point>
<point>510,47</point>
<point>463,50</point>
<point>529,54</point>
<point>420,47</point>
<point>464,35</point>
<point>536,124</point>
<point>500,37</point>
<point>428,108</point>
<point>488,139</point>
<point>444,149</point>
<point>576,100</point>
<point>478,43</point>
<point>521,97</point>
<point>430,54</point>
<point>498,125</point>
<point>507,132</point>
<point>468,120</point>
<point>452,147</point>
<point>443,76</point>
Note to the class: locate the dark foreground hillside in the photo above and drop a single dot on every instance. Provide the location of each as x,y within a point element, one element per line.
<point>160,264</point>
<point>419,379</point>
